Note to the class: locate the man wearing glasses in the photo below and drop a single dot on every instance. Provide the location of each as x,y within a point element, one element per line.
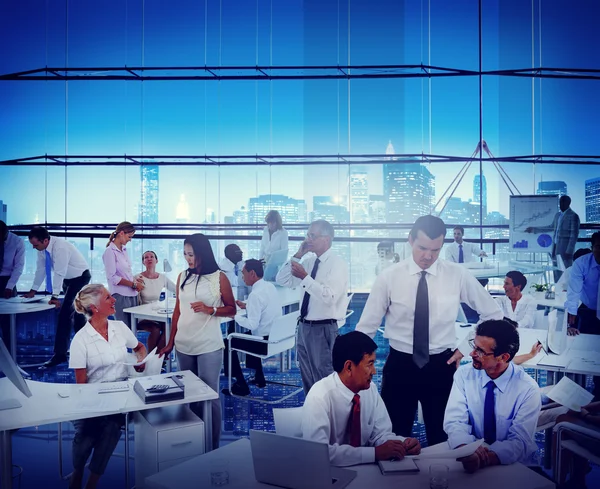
<point>493,399</point>
<point>323,277</point>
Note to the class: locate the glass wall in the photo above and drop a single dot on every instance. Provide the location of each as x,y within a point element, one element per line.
<point>276,119</point>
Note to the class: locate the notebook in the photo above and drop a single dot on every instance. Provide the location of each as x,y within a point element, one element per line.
<point>404,466</point>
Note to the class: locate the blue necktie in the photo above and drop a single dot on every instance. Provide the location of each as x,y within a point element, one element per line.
<point>489,415</point>
<point>236,269</point>
<point>306,298</point>
<point>48,272</point>
<point>461,256</point>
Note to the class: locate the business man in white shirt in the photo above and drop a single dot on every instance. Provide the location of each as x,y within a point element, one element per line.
<point>515,305</point>
<point>231,264</point>
<point>419,298</point>
<point>62,266</point>
<point>345,410</point>
<point>460,251</point>
<point>262,309</point>
<point>323,277</point>
<point>12,261</point>
<point>495,400</point>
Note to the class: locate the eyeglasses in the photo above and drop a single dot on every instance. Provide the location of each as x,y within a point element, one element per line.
<point>313,236</point>
<point>478,351</point>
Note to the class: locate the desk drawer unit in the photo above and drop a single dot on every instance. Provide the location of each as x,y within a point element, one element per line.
<point>165,437</point>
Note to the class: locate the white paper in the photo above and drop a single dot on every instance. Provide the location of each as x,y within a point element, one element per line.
<point>137,364</point>
<point>570,395</point>
<point>404,465</point>
<point>98,403</point>
<point>552,360</point>
<point>460,452</point>
<point>586,342</point>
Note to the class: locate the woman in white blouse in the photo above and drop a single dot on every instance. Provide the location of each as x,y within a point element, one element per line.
<point>516,306</point>
<point>98,351</point>
<point>154,283</point>
<point>274,238</point>
<point>203,296</point>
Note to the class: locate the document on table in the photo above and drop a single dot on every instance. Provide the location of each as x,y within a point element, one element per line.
<point>552,360</point>
<point>460,452</point>
<point>587,342</point>
<point>570,395</point>
<point>98,403</point>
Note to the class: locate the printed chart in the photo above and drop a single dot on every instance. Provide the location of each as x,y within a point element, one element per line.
<point>531,222</point>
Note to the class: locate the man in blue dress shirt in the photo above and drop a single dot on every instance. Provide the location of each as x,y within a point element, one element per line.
<point>493,399</point>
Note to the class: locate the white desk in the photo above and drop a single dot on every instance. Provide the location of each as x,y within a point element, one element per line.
<point>12,307</point>
<point>195,473</point>
<point>46,407</point>
<point>500,269</point>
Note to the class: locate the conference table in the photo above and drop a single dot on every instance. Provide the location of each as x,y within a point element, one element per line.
<point>16,305</point>
<point>55,403</point>
<point>195,473</point>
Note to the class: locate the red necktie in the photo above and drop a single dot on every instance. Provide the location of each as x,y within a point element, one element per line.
<point>355,435</point>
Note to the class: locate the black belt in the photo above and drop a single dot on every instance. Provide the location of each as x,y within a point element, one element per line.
<point>317,322</point>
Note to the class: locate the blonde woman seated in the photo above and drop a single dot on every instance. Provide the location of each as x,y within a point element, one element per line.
<point>516,306</point>
<point>97,352</point>
<point>154,283</point>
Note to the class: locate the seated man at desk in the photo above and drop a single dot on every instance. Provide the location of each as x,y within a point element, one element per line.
<point>230,264</point>
<point>262,309</point>
<point>516,306</point>
<point>346,411</point>
<point>493,399</point>
<point>98,351</point>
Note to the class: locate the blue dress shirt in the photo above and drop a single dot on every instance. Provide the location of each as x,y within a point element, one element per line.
<point>583,284</point>
<point>517,406</point>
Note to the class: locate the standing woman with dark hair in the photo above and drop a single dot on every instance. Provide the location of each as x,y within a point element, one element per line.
<point>203,295</point>
<point>274,238</point>
<point>121,282</point>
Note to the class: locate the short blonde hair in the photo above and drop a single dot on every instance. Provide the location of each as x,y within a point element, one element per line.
<point>88,297</point>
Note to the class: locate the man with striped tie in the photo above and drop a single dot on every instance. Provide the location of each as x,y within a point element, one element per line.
<point>62,267</point>
<point>493,399</point>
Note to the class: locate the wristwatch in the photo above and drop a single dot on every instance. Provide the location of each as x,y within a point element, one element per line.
<point>214,311</point>
<point>134,285</point>
<point>53,298</point>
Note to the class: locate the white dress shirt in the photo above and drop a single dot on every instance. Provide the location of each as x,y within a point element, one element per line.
<point>524,313</point>
<point>325,417</point>
<point>14,260</point>
<point>470,251</point>
<point>394,295</point>
<point>263,307</point>
<point>327,290</point>
<point>269,244</point>
<point>103,360</point>
<point>67,263</point>
<point>228,268</point>
<point>517,406</point>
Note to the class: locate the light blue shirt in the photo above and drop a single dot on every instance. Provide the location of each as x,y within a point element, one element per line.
<point>517,404</point>
<point>583,284</point>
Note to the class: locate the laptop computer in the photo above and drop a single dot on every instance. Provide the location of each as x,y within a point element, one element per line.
<point>276,259</point>
<point>283,461</point>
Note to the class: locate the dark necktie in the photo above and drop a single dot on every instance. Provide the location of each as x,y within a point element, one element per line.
<point>354,422</point>
<point>421,328</point>
<point>48,272</point>
<point>489,415</point>
<point>306,298</point>
<point>461,256</point>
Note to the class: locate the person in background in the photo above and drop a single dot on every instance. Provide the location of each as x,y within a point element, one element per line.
<point>154,283</point>
<point>460,251</point>
<point>493,399</point>
<point>563,282</point>
<point>323,277</point>
<point>123,286</point>
<point>346,411</point>
<point>230,264</point>
<point>204,295</point>
<point>274,238</point>
<point>385,256</point>
<point>419,298</point>
<point>98,351</point>
<point>63,267</point>
<point>516,306</point>
<point>262,310</point>
<point>12,261</point>
<point>565,231</point>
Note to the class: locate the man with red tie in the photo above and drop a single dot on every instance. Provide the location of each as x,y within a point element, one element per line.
<point>346,411</point>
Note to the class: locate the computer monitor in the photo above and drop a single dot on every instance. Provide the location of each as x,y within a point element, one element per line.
<point>12,372</point>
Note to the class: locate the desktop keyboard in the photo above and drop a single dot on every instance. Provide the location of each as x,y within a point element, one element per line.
<point>114,387</point>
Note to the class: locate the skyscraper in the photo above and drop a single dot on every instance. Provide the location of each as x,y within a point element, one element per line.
<point>148,210</point>
<point>592,200</point>
<point>552,188</point>
<point>330,209</point>
<point>3,211</point>
<point>359,195</point>
<point>480,188</point>
<point>409,191</point>
<point>291,210</point>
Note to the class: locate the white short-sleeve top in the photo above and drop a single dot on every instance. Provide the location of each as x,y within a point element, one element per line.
<point>154,286</point>
<point>102,359</point>
<point>197,332</point>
